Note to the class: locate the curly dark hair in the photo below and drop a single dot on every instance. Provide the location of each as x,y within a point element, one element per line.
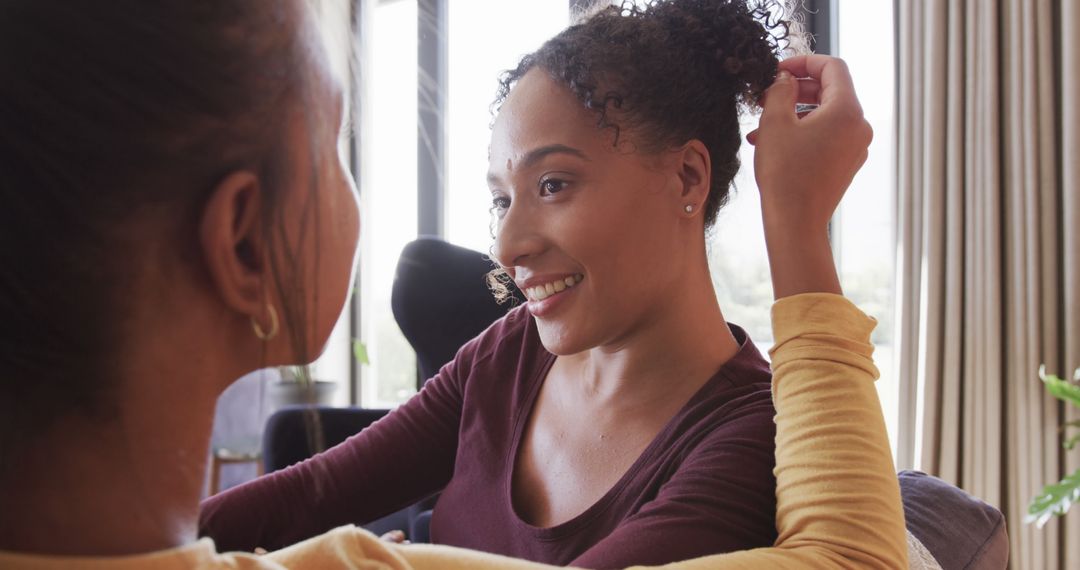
<point>671,71</point>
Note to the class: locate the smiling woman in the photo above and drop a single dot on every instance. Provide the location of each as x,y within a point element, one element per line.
<point>607,180</point>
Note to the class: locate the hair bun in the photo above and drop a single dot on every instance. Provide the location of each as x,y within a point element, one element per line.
<point>742,39</point>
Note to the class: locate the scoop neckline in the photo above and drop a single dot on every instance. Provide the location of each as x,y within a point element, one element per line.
<point>582,519</point>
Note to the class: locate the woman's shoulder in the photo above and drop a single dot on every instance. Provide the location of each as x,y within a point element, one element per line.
<point>507,353</point>
<point>508,335</point>
<point>743,381</point>
<point>737,399</point>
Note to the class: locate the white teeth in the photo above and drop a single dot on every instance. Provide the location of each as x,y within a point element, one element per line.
<point>541,292</point>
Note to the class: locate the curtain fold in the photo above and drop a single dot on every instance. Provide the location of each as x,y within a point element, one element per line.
<point>989,250</point>
<point>1069,159</point>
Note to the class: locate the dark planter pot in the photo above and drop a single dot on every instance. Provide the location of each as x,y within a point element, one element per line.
<point>284,393</point>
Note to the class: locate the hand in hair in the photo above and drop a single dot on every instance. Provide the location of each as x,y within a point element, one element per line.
<point>803,166</point>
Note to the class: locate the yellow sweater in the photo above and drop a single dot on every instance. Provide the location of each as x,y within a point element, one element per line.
<point>838,500</point>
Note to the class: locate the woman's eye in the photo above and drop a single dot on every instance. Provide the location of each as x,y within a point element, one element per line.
<point>552,186</point>
<point>500,204</point>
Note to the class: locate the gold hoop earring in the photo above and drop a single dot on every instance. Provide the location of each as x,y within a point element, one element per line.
<point>259,333</point>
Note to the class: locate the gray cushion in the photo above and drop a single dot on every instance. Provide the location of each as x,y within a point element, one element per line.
<point>961,531</point>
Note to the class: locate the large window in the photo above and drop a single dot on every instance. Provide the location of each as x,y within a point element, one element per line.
<point>335,364</point>
<point>864,235</point>
<point>388,192</point>
<point>405,91</point>
<point>862,231</point>
<point>475,41</point>
<point>486,37</point>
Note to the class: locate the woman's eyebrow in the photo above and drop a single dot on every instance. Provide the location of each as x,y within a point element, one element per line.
<point>536,155</point>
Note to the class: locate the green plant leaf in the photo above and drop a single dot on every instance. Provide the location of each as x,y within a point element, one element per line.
<point>359,351</point>
<point>1071,442</point>
<point>1061,389</point>
<point>1055,500</point>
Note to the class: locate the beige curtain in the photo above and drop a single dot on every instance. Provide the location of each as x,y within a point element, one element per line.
<point>989,250</point>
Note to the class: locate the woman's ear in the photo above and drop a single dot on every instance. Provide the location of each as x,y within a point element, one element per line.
<point>234,245</point>
<point>695,177</point>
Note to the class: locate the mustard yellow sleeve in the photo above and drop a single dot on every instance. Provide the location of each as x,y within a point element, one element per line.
<point>838,498</point>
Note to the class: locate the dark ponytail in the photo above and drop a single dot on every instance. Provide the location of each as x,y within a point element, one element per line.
<point>116,117</point>
<point>671,71</point>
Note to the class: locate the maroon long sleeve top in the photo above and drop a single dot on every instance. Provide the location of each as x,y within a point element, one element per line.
<point>703,486</point>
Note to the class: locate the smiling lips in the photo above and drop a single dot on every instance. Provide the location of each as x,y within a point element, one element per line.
<point>541,292</point>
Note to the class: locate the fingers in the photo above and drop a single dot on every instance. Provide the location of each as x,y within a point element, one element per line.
<point>812,79</point>
<point>831,73</point>
<point>809,90</point>
<point>395,536</point>
<point>815,66</point>
<point>779,101</point>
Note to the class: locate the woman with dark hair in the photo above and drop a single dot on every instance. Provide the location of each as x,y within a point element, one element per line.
<point>173,214</point>
<point>173,164</point>
<point>616,418</point>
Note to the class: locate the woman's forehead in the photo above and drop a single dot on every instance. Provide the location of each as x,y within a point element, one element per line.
<point>540,112</point>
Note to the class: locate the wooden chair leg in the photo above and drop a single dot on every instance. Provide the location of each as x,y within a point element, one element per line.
<point>215,474</point>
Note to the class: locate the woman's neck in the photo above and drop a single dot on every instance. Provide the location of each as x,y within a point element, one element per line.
<point>674,352</point>
<point>124,485</point>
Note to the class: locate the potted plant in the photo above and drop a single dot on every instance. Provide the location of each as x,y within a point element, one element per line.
<point>1056,498</point>
<point>295,386</point>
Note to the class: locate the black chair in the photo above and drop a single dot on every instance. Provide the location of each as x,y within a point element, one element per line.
<point>441,300</point>
<point>286,437</point>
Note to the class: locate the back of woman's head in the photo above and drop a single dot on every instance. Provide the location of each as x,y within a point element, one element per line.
<point>116,117</point>
<point>669,71</point>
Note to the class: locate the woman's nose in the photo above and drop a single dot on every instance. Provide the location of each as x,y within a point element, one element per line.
<point>517,236</point>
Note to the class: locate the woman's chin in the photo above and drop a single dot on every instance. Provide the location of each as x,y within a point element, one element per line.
<point>561,339</point>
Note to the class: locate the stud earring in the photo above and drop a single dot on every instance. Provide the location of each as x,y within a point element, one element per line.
<point>689,208</point>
